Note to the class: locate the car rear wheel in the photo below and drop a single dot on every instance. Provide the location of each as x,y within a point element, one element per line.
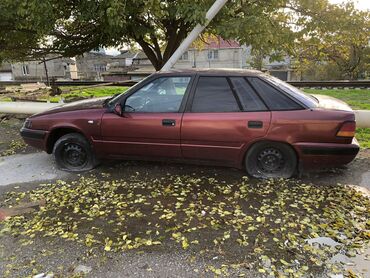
<point>271,160</point>
<point>74,153</point>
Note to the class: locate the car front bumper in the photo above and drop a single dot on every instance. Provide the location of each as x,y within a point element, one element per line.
<point>34,138</point>
<point>322,155</point>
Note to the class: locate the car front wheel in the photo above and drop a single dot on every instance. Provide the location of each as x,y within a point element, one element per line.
<point>271,160</point>
<point>74,153</point>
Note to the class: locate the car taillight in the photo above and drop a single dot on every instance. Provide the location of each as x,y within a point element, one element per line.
<point>347,129</point>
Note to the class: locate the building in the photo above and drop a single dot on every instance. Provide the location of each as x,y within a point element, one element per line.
<point>216,53</point>
<point>142,66</point>
<point>280,69</point>
<point>57,68</point>
<point>93,65</point>
<point>119,66</point>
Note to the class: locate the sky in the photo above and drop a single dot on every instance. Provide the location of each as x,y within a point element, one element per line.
<point>359,4</point>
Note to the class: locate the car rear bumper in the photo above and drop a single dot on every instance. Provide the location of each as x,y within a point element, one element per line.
<point>313,155</point>
<point>34,138</point>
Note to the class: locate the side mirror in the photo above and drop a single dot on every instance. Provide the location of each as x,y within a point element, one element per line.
<point>118,109</point>
<point>128,108</point>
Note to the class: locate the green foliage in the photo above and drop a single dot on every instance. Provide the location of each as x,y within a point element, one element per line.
<point>37,28</point>
<point>313,30</point>
<point>318,71</point>
<point>363,137</point>
<point>75,92</point>
<point>334,34</point>
<point>23,26</point>
<point>58,27</point>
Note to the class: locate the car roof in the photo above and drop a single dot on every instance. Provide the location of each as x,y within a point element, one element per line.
<point>213,71</point>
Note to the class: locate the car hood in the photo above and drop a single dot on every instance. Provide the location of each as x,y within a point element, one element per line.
<point>77,105</point>
<point>332,103</point>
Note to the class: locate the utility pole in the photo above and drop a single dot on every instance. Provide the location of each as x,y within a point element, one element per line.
<point>46,71</point>
<point>212,12</point>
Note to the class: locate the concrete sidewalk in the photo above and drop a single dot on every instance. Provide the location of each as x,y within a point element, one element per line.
<point>31,167</point>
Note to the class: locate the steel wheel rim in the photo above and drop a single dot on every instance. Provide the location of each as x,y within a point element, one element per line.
<point>74,155</point>
<point>270,160</point>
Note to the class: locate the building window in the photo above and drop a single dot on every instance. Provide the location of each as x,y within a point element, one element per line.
<point>185,56</point>
<point>100,68</point>
<point>213,54</point>
<point>25,70</point>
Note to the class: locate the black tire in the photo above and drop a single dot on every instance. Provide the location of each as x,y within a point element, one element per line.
<point>271,160</point>
<point>74,153</point>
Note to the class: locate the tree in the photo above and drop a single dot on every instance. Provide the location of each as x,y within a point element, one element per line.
<point>33,28</point>
<point>72,28</point>
<point>335,34</point>
<point>23,28</point>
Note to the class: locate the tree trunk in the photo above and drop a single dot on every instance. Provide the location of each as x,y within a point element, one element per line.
<point>175,37</point>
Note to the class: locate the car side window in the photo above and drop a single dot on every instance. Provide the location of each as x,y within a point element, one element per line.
<point>162,95</point>
<point>248,98</point>
<point>274,99</point>
<point>213,94</point>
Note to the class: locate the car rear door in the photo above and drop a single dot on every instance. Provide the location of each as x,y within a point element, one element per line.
<point>151,121</point>
<point>223,117</point>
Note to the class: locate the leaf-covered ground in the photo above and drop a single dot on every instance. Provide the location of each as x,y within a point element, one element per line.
<point>10,139</point>
<point>247,225</point>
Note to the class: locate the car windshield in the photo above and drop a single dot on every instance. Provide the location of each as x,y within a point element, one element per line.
<point>307,99</point>
<point>113,99</point>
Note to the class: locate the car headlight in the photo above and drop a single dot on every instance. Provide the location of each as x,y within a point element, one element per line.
<point>27,124</point>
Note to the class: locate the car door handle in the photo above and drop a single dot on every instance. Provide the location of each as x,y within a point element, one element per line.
<point>255,124</point>
<point>168,122</point>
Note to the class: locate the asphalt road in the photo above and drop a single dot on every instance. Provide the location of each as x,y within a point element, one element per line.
<point>24,168</point>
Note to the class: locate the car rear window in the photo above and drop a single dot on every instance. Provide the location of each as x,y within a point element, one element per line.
<point>274,99</point>
<point>304,98</point>
<point>248,98</point>
<point>213,94</point>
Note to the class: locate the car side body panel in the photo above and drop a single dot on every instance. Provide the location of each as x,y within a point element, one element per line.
<point>315,130</point>
<point>221,136</point>
<point>87,122</point>
<point>140,134</point>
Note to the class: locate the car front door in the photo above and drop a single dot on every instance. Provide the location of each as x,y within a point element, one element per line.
<point>151,120</point>
<point>224,116</point>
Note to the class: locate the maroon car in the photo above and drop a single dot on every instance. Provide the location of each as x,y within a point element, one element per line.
<point>237,118</point>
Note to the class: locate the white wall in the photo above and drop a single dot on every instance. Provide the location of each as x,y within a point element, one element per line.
<point>227,58</point>
<point>6,76</point>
